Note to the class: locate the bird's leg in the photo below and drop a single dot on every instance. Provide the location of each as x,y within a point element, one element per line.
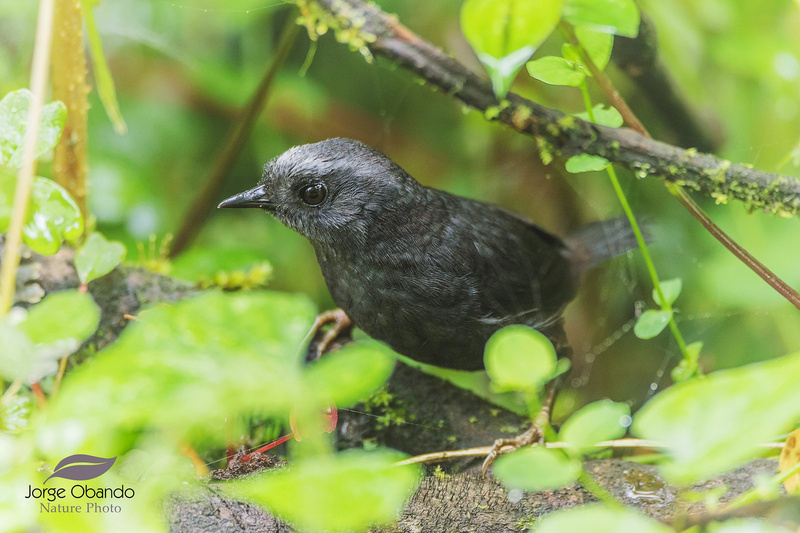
<point>322,341</point>
<point>533,435</point>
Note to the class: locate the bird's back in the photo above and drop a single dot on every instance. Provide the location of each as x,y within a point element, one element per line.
<point>449,273</point>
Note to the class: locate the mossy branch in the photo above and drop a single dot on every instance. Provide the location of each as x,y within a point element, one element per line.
<point>368,28</point>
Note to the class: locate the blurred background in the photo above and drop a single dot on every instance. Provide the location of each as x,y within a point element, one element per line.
<point>183,70</point>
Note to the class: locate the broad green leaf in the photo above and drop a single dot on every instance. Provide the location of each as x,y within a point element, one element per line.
<point>62,315</point>
<point>349,491</point>
<point>14,121</point>
<point>54,328</point>
<point>596,422</point>
<point>519,358</point>
<point>671,289</point>
<point>597,44</point>
<point>715,423</point>
<point>102,74</point>
<point>651,323</point>
<point>52,216</point>
<point>607,116</point>
<point>620,17</point>
<point>599,518</point>
<point>536,468</point>
<point>97,257</point>
<point>555,71</point>
<point>585,163</point>
<point>333,380</point>
<point>506,33</point>
<point>191,365</point>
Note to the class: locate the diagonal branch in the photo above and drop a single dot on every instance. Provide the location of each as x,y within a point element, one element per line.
<point>365,26</point>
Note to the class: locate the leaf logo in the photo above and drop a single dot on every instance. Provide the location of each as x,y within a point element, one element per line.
<point>80,467</point>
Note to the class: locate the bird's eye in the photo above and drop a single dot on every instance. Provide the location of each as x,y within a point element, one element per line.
<point>314,194</point>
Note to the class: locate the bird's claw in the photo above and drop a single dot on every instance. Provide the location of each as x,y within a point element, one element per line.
<point>502,446</point>
<point>323,341</point>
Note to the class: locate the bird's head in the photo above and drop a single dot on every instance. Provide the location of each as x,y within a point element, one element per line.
<point>330,191</point>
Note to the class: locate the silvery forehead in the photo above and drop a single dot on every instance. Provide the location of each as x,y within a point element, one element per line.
<point>331,156</point>
<point>358,182</point>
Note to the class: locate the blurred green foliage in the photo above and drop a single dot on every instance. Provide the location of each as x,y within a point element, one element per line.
<point>183,70</point>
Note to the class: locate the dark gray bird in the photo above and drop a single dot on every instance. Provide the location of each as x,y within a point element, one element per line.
<point>430,273</point>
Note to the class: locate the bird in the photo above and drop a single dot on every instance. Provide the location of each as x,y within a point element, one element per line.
<point>429,273</point>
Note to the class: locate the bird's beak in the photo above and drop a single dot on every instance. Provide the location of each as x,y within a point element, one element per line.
<point>256,197</point>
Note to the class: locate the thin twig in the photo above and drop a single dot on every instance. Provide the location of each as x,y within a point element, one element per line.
<point>62,368</point>
<point>41,60</point>
<point>204,202</point>
<point>481,451</point>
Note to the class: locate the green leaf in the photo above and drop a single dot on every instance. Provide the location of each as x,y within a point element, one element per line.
<point>62,315</point>
<point>651,323</point>
<point>14,121</point>
<point>350,491</point>
<point>555,71</point>
<point>596,422</point>
<point>597,44</point>
<point>607,116</point>
<point>506,33</point>
<point>191,365</point>
<point>332,378</point>
<point>712,424</point>
<point>620,17</point>
<point>519,358</point>
<point>102,74</point>
<point>599,518</point>
<point>52,214</point>
<point>97,257</point>
<point>536,468</point>
<point>585,163</point>
<point>54,328</point>
<point>671,289</point>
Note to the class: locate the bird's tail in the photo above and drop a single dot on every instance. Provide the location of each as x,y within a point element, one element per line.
<point>598,242</point>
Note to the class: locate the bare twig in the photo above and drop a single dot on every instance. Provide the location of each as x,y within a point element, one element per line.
<point>481,451</point>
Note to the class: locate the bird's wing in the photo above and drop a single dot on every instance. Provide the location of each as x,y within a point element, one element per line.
<point>518,272</point>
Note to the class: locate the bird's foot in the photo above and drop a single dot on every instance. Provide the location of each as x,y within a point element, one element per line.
<point>325,340</point>
<point>533,435</point>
